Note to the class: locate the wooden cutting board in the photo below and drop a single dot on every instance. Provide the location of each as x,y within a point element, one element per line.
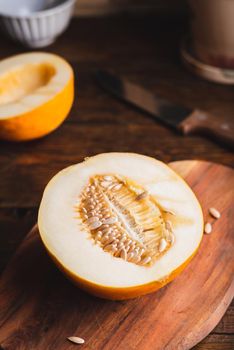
<point>39,308</point>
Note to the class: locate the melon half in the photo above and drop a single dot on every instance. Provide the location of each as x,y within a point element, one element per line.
<point>36,94</point>
<point>120,225</point>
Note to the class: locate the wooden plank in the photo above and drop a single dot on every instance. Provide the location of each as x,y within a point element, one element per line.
<point>14,224</point>
<point>36,162</point>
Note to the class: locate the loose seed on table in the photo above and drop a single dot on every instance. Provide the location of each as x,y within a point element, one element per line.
<point>208,228</point>
<point>76,340</point>
<point>215,213</point>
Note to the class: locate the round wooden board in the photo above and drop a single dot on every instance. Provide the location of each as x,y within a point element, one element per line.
<point>39,308</point>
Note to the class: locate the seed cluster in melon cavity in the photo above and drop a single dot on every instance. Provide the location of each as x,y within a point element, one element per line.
<point>123,219</point>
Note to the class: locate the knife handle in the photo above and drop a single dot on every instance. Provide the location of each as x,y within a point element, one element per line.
<point>200,122</point>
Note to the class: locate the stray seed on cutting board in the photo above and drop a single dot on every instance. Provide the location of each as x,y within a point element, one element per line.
<point>208,228</point>
<point>76,340</point>
<point>215,213</point>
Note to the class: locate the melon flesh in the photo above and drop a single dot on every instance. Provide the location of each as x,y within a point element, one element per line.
<point>30,80</point>
<point>68,240</point>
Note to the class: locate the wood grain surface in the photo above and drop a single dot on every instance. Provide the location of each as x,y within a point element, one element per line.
<point>40,308</point>
<point>144,49</point>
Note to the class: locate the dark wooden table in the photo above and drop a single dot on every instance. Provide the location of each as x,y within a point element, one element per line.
<point>146,50</point>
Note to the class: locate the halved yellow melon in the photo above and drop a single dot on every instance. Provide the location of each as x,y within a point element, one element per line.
<point>120,224</point>
<point>36,94</point>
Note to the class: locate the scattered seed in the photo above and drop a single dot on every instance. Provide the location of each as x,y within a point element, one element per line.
<point>215,213</point>
<point>168,225</point>
<point>110,240</point>
<point>208,228</point>
<point>105,237</point>
<point>162,245</point>
<point>141,251</point>
<point>116,187</point>
<point>110,248</point>
<point>94,225</point>
<point>98,236</point>
<point>105,226</point>
<point>106,230</point>
<point>123,239</point>
<point>123,254</point>
<point>91,220</point>
<point>76,340</point>
<point>112,234</point>
<point>110,221</point>
<point>105,184</point>
<point>108,178</point>
<point>130,256</point>
<point>127,248</point>
<point>136,259</point>
<point>146,260</point>
<point>142,196</point>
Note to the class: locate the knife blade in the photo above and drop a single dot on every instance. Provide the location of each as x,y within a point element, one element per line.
<point>181,118</point>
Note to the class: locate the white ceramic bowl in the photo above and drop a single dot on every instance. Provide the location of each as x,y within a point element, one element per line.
<point>35,23</point>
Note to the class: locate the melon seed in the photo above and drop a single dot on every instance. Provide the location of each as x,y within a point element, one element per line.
<point>215,213</point>
<point>110,220</point>
<point>142,195</point>
<point>162,245</point>
<point>94,225</point>
<point>208,228</point>
<point>76,340</point>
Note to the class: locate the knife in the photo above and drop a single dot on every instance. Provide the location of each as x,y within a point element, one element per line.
<point>184,119</point>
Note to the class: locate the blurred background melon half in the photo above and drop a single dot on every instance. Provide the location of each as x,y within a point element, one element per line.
<point>36,95</point>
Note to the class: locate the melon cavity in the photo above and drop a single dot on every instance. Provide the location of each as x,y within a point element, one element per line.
<point>124,219</point>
